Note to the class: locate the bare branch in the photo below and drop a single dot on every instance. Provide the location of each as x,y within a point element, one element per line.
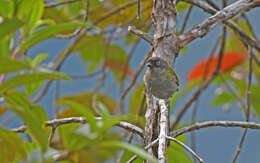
<point>200,125</point>
<point>247,104</point>
<point>186,147</point>
<point>55,4</point>
<point>207,25</point>
<point>146,147</point>
<point>139,9</point>
<point>186,19</point>
<point>57,122</point>
<point>53,129</point>
<point>140,34</point>
<point>203,5</point>
<point>164,129</point>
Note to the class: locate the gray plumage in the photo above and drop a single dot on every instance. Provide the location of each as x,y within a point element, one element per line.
<point>160,79</point>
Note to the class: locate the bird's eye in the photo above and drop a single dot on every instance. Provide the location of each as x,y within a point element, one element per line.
<point>157,63</point>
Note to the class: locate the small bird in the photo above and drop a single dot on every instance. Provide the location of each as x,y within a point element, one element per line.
<point>160,79</point>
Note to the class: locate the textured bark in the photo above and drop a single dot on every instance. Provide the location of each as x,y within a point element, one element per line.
<point>165,47</point>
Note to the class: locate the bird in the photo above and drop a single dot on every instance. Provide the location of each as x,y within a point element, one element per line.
<point>160,79</point>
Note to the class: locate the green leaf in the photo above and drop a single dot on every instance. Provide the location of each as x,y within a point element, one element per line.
<point>11,145</point>
<point>33,116</point>
<point>181,6</point>
<point>46,33</point>
<point>11,65</point>
<point>108,123</point>
<point>32,88</point>
<point>117,60</point>
<point>92,49</point>
<point>174,99</point>
<point>136,99</point>
<point>6,8</point>
<point>7,151</point>
<point>56,14</point>
<point>86,99</point>
<point>222,98</point>
<point>31,78</point>
<point>255,96</point>
<point>183,49</point>
<point>104,111</point>
<point>190,86</point>
<point>245,27</point>
<point>38,59</point>
<point>175,152</point>
<point>71,139</point>
<point>240,86</point>
<point>30,11</point>
<point>5,48</point>
<point>9,26</point>
<point>138,151</point>
<point>86,112</point>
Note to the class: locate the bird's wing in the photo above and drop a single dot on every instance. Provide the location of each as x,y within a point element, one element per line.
<point>172,73</point>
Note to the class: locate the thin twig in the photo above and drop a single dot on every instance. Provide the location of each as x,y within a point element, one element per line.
<point>131,84</point>
<point>247,105</point>
<point>129,57</point>
<point>186,19</point>
<point>119,160</point>
<point>187,148</point>
<point>114,11</point>
<point>55,4</point>
<point>139,9</point>
<point>230,89</point>
<point>78,77</point>
<point>53,129</point>
<point>193,133</point>
<point>59,60</point>
<point>207,124</point>
<point>213,4</point>
<point>8,119</point>
<point>57,96</point>
<point>256,59</point>
<point>77,31</point>
<point>146,147</point>
<point>140,34</point>
<point>204,85</point>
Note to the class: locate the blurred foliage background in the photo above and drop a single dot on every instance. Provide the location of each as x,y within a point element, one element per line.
<point>72,59</point>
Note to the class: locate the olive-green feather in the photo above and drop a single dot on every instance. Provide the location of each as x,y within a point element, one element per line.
<point>171,73</point>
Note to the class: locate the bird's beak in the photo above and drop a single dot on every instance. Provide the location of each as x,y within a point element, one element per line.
<point>149,64</point>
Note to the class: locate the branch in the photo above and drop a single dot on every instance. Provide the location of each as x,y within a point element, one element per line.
<point>57,122</point>
<point>207,25</point>
<point>247,104</point>
<point>55,4</point>
<point>164,128</point>
<point>203,5</point>
<point>140,34</point>
<point>186,147</point>
<point>146,147</point>
<point>200,125</point>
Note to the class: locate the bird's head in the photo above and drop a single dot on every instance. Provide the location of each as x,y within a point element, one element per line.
<point>157,65</point>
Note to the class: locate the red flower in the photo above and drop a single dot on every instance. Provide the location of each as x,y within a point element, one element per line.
<point>229,60</point>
